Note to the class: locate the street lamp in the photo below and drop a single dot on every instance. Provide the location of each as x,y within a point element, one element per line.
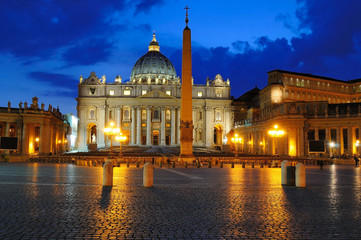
<point>275,133</point>
<point>236,140</point>
<point>332,146</point>
<point>111,131</point>
<point>357,145</point>
<point>120,138</point>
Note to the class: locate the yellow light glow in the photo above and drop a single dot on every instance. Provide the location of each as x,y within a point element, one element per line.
<point>261,143</point>
<point>332,144</point>
<point>357,143</point>
<point>37,139</point>
<point>66,141</point>
<point>275,126</point>
<point>59,141</point>
<point>111,124</point>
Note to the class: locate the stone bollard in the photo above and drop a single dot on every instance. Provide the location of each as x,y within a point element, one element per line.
<point>243,164</point>
<point>269,165</point>
<point>232,164</point>
<point>209,164</point>
<point>221,164</point>
<point>108,173</point>
<point>148,175</point>
<point>284,166</point>
<point>300,175</point>
<point>161,163</point>
<point>252,164</point>
<point>261,165</point>
<point>90,164</point>
<point>173,164</point>
<point>186,164</point>
<point>138,164</point>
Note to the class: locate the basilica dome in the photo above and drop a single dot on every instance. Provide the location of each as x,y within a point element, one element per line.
<point>153,67</point>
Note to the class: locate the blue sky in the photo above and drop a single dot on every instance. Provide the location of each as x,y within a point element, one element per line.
<point>46,45</point>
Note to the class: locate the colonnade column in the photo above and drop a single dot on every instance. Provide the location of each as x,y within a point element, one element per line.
<point>101,124</point>
<point>162,126</point>
<point>208,127</point>
<point>82,129</point>
<point>194,116</point>
<point>338,141</point>
<point>132,140</point>
<point>178,126</point>
<point>118,117</point>
<point>172,130</point>
<point>349,140</point>
<point>24,138</point>
<point>149,115</point>
<point>139,125</point>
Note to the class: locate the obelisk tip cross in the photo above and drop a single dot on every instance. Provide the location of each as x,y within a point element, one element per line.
<point>186,8</point>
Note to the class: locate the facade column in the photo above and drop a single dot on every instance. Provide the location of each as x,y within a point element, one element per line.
<point>149,127</point>
<point>82,130</point>
<point>226,121</point>
<point>327,140</point>
<point>162,126</point>
<point>172,130</point>
<point>178,126</point>
<point>25,143</point>
<point>101,119</point>
<point>7,129</point>
<point>118,117</point>
<point>139,125</point>
<point>208,127</point>
<point>132,140</point>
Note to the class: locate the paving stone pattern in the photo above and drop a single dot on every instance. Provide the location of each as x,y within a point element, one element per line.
<point>61,201</point>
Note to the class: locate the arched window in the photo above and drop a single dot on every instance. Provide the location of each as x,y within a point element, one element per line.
<point>126,114</point>
<point>110,114</point>
<point>200,115</point>
<point>156,114</point>
<point>218,115</point>
<point>92,114</point>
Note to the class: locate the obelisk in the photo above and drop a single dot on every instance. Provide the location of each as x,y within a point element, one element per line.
<point>186,123</point>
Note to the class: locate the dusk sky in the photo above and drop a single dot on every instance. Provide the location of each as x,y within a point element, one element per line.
<point>45,45</point>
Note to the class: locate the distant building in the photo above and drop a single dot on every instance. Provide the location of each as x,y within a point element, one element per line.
<point>319,116</point>
<point>32,129</point>
<point>147,108</point>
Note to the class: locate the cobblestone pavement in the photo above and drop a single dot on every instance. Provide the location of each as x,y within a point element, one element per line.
<point>60,201</point>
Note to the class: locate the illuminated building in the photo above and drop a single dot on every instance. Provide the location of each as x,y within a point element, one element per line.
<point>33,129</point>
<point>320,116</point>
<point>147,107</point>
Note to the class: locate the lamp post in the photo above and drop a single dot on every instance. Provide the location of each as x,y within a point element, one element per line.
<point>275,133</point>
<point>120,138</point>
<point>332,146</point>
<point>236,140</point>
<point>111,131</point>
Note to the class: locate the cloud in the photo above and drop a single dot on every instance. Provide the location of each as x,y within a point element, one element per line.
<point>39,28</point>
<point>54,79</point>
<point>146,5</point>
<point>89,52</point>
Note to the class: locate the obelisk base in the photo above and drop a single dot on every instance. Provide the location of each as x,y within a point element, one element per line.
<point>189,159</point>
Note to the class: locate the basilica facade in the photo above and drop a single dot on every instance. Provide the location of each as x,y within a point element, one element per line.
<point>147,107</point>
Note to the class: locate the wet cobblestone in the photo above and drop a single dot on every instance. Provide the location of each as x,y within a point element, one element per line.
<point>59,201</point>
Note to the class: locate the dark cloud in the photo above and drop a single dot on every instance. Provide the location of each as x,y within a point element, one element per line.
<point>39,28</point>
<point>54,79</point>
<point>89,52</point>
<point>146,5</point>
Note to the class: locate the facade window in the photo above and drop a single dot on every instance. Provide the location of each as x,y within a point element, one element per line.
<point>144,115</point>
<point>111,92</point>
<point>298,83</point>
<point>144,92</point>
<point>200,94</point>
<point>167,115</point>
<point>200,115</point>
<point>168,92</point>
<point>126,114</point>
<point>126,92</point>
<point>110,114</point>
<point>302,83</point>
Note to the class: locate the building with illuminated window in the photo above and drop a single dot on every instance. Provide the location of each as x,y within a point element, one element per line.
<point>32,130</point>
<point>147,107</point>
<point>318,116</point>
